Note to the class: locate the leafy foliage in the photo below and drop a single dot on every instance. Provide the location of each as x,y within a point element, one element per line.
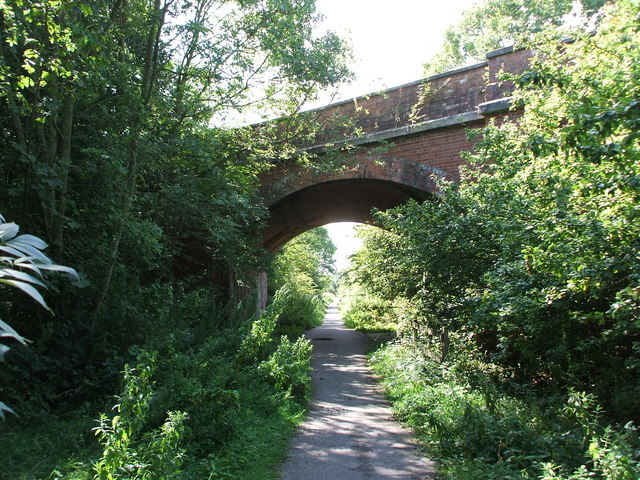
<point>236,387</point>
<point>155,455</point>
<point>301,272</point>
<point>311,254</point>
<point>119,149</point>
<point>22,252</point>
<point>533,257</point>
<point>367,313</point>
<point>289,367</point>
<point>370,315</point>
<point>109,155</point>
<point>478,431</point>
<point>519,285</point>
<point>302,308</point>
<point>492,24</point>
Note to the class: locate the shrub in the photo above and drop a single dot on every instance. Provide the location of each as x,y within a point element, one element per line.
<point>289,367</point>
<point>259,337</point>
<point>478,430</point>
<point>130,451</point>
<point>301,308</point>
<point>369,313</point>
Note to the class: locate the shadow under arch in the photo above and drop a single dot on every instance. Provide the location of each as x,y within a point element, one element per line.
<point>299,201</point>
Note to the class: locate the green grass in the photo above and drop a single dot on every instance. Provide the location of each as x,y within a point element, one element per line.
<point>33,449</point>
<point>68,447</point>
<point>259,451</point>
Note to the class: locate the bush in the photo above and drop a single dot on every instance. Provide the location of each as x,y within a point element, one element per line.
<point>301,276</point>
<point>129,450</point>
<point>368,313</point>
<point>478,430</point>
<point>242,386</point>
<point>531,261</point>
<point>289,367</point>
<point>300,306</point>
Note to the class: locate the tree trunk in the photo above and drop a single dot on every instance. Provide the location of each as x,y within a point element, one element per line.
<point>130,189</point>
<point>66,129</point>
<point>146,90</point>
<point>445,342</point>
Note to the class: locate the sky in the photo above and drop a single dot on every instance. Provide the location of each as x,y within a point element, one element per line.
<point>391,40</point>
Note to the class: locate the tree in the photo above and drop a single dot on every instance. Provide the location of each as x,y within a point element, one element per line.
<point>491,24</point>
<point>171,67</point>
<point>374,269</point>
<point>308,255</point>
<point>531,262</point>
<point>299,276</point>
<point>109,154</point>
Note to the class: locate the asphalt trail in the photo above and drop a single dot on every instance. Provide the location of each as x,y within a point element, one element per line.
<point>349,433</point>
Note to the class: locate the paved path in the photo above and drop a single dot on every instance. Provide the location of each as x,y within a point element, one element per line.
<point>349,433</point>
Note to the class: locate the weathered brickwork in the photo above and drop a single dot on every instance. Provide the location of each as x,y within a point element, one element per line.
<point>423,129</point>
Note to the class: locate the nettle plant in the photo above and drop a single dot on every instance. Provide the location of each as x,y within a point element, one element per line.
<point>22,264</point>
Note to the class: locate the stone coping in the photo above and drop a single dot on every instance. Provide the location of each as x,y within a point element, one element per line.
<point>495,106</point>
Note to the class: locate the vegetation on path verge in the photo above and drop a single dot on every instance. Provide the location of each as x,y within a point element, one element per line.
<point>477,430</point>
<point>119,150</point>
<point>517,291</point>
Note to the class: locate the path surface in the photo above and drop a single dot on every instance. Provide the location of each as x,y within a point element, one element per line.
<point>349,433</point>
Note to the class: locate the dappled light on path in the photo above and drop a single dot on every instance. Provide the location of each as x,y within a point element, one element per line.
<point>349,432</point>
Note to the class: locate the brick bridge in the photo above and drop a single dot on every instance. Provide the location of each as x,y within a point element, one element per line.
<point>408,134</point>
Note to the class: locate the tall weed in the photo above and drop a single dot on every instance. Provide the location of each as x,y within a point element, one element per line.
<point>130,451</point>
<point>369,313</point>
<point>301,308</point>
<point>242,385</point>
<point>289,367</point>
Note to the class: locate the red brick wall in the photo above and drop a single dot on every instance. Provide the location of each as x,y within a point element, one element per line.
<point>439,96</point>
<point>405,162</point>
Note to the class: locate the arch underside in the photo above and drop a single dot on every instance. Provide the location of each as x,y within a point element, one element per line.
<point>348,200</point>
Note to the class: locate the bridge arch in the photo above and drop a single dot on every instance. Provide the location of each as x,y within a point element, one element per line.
<point>299,201</point>
<point>406,135</point>
<point>422,129</point>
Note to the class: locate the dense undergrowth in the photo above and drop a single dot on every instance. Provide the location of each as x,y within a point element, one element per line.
<point>209,389</point>
<point>478,429</point>
<point>216,396</point>
<point>367,313</point>
<point>301,281</point>
<point>109,154</point>
<point>516,290</point>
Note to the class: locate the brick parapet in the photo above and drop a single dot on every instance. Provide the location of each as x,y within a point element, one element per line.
<point>445,95</point>
<point>504,60</point>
